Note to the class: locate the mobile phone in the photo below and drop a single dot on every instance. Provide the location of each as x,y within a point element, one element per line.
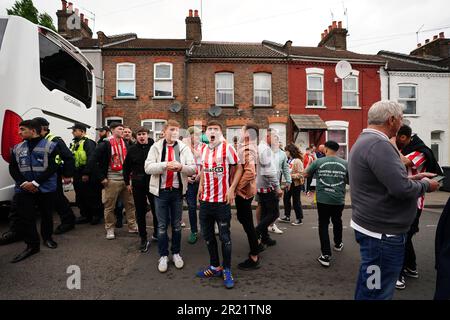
<point>438,178</point>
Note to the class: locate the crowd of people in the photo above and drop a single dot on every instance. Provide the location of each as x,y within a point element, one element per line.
<point>389,171</point>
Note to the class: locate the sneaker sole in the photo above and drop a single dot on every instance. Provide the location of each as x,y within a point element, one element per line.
<point>324,264</point>
<point>296,224</point>
<point>179,267</point>
<point>338,250</point>
<point>400,288</point>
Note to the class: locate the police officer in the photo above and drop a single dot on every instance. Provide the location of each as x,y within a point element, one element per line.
<point>66,169</point>
<point>34,170</point>
<point>88,190</point>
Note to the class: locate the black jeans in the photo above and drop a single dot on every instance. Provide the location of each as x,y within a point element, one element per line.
<point>410,254</point>
<point>327,211</point>
<point>26,210</point>
<point>141,195</point>
<point>191,199</point>
<point>245,217</point>
<point>62,205</point>
<point>294,193</point>
<point>210,213</point>
<point>270,211</point>
<point>88,196</point>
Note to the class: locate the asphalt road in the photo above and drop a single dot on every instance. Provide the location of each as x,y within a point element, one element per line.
<point>116,270</point>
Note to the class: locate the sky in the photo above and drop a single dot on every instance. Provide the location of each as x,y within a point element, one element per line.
<point>373,25</point>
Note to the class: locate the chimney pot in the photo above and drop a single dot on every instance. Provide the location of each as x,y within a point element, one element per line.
<point>64,4</point>
<point>419,45</point>
<point>334,25</point>
<point>435,37</point>
<point>77,11</point>
<point>190,12</point>
<point>325,32</point>
<point>441,35</point>
<point>70,7</point>
<point>427,41</point>
<point>323,35</point>
<point>330,28</point>
<point>340,24</point>
<point>82,17</point>
<point>86,21</point>
<point>196,13</point>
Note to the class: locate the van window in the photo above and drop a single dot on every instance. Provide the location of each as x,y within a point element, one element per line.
<point>3,23</point>
<point>59,70</point>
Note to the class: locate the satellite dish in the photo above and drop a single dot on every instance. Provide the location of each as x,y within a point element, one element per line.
<point>175,107</point>
<point>215,111</point>
<point>343,69</point>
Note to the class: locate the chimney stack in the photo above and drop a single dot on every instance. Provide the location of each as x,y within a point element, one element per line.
<point>193,27</point>
<point>64,5</point>
<point>72,24</point>
<point>441,35</point>
<point>427,41</point>
<point>419,45</point>
<point>335,37</point>
<point>438,47</point>
<point>70,7</point>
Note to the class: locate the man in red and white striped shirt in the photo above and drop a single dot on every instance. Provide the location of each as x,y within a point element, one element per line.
<point>218,160</point>
<point>415,162</point>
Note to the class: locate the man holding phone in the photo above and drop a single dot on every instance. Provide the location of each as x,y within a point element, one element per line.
<point>418,159</point>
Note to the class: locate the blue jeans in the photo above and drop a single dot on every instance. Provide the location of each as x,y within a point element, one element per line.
<point>191,199</point>
<point>381,264</point>
<point>168,210</point>
<point>210,213</point>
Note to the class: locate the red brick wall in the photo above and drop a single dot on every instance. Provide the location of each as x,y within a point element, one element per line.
<point>201,83</point>
<point>369,92</point>
<point>144,106</point>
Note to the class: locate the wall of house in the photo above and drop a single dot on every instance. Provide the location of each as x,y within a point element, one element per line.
<point>369,92</point>
<point>201,95</point>
<point>432,106</point>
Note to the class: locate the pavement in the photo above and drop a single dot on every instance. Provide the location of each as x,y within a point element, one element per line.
<point>116,270</point>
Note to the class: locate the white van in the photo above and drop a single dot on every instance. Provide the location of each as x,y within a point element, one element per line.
<point>41,75</point>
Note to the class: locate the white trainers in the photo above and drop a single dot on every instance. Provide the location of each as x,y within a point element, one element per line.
<point>178,261</point>
<point>162,266</point>
<point>110,234</point>
<point>183,225</point>
<point>274,229</point>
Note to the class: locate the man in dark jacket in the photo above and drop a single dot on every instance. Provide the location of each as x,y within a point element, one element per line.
<point>33,168</point>
<point>88,189</point>
<point>66,169</point>
<point>133,169</point>
<point>443,255</point>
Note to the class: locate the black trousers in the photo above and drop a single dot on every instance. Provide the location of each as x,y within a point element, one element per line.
<point>294,193</point>
<point>88,196</point>
<point>14,217</point>
<point>141,195</point>
<point>270,211</point>
<point>410,254</point>
<point>327,212</point>
<point>245,217</point>
<point>62,205</point>
<point>26,210</point>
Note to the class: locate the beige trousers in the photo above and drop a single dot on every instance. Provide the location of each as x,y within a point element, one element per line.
<point>113,190</point>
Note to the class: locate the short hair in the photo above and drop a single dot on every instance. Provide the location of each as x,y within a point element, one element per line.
<point>171,123</point>
<point>32,125</point>
<point>214,123</point>
<point>381,111</point>
<point>142,129</point>
<point>114,125</point>
<point>405,130</point>
<point>194,129</point>
<point>333,145</point>
<point>253,126</point>
<point>127,127</point>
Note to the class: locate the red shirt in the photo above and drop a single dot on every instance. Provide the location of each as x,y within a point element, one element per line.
<point>418,159</point>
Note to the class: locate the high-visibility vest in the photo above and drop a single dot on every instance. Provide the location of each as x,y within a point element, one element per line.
<point>79,153</point>
<point>50,137</point>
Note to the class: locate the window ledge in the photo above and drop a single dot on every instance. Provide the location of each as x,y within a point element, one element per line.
<point>226,106</point>
<point>315,107</point>
<point>351,108</point>
<point>163,98</point>
<point>125,98</point>
<point>411,116</point>
<point>263,106</point>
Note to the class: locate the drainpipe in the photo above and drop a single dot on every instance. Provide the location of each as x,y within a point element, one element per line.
<point>185,102</point>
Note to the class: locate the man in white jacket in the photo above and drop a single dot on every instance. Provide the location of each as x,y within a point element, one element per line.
<point>170,162</point>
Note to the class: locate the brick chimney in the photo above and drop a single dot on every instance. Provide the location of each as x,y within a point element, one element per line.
<point>438,47</point>
<point>71,23</point>
<point>193,27</point>
<point>335,37</point>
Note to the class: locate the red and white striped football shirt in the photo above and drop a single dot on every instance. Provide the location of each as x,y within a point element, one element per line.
<point>216,171</point>
<point>418,159</point>
<point>197,151</point>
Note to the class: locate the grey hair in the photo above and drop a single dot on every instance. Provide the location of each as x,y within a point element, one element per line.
<point>381,111</point>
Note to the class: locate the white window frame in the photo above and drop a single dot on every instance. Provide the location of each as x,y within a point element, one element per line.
<point>125,80</point>
<point>401,100</point>
<point>339,125</point>
<point>315,72</point>
<point>262,89</point>
<point>113,119</point>
<point>354,75</point>
<point>227,89</point>
<point>152,131</point>
<point>438,142</point>
<point>162,79</point>
<point>282,133</point>
<point>234,128</point>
